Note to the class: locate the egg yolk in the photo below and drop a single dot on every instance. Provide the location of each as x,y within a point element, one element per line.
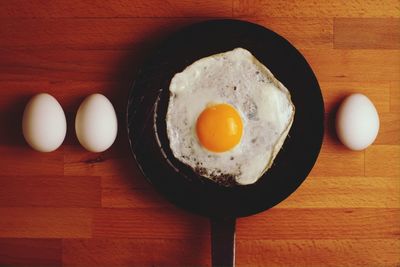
<point>219,128</point>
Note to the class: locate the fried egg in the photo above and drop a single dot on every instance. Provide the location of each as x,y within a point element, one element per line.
<point>228,117</point>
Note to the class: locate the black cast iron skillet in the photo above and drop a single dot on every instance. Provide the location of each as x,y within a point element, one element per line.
<point>146,111</point>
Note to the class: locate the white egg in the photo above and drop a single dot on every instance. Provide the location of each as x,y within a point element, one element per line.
<point>43,124</point>
<point>96,123</point>
<point>357,122</point>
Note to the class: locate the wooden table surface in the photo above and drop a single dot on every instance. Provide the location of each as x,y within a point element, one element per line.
<point>72,207</point>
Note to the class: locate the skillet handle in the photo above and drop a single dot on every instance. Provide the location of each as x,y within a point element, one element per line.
<point>223,242</point>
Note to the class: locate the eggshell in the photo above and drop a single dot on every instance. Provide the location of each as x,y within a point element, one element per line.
<point>357,122</point>
<point>43,123</point>
<point>96,123</point>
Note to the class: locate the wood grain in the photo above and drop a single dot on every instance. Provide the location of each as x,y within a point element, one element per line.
<point>145,223</point>
<point>322,223</point>
<point>136,252</point>
<point>112,9</point>
<point>28,222</point>
<point>114,65</point>
<point>347,252</point>
<point>301,32</point>
<point>356,65</point>
<point>69,94</point>
<point>30,162</point>
<point>277,223</point>
<point>345,192</point>
<point>395,96</point>
<point>335,158</point>
<point>24,251</point>
<point>125,33</point>
<point>50,191</point>
<point>368,33</point>
<point>389,129</point>
<point>335,91</point>
<point>69,65</point>
<point>309,8</point>
<point>76,208</point>
<point>375,166</point>
<point>91,34</point>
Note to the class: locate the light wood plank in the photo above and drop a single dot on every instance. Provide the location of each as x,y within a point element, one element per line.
<point>360,65</point>
<point>366,33</point>
<point>382,160</point>
<point>310,253</point>
<point>324,223</point>
<point>336,160</point>
<point>24,222</point>
<point>309,8</point>
<point>345,192</point>
<point>335,91</point>
<point>395,96</point>
<point>23,251</point>
<point>49,191</point>
<point>112,9</point>
<point>389,131</point>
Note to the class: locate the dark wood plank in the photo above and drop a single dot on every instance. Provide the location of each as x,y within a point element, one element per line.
<point>20,160</point>
<point>124,33</point>
<point>169,223</point>
<point>15,94</point>
<point>113,162</point>
<point>66,65</point>
<point>49,191</point>
<point>112,9</point>
<point>91,34</point>
<point>310,8</point>
<point>137,252</point>
<point>22,222</point>
<point>130,191</point>
<point>38,252</point>
<point>366,33</point>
